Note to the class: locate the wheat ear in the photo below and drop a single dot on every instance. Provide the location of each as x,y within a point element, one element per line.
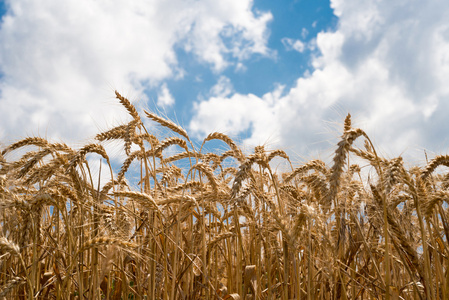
<point>437,161</point>
<point>35,141</point>
<point>167,123</point>
<point>129,107</point>
<point>227,140</point>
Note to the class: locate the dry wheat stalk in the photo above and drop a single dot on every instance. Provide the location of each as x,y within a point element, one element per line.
<point>209,174</point>
<point>191,185</point>
<point>399,236</point>
<point>315,164</point>
<point>35,141</point>
<point>100,241</point>
<point>169,124</point>
<point>433,201</point>
<point>145,199</point>
<point>169,142</point>
<point>8,246</point>
<point>339,158</point>
<point>171,172</point>
<point>129,107</point>
<point>112,134</point>
<point>227,140</point>
<point>127,163</point>
<point>434,163</point>
<point>244,169</point>
<point>81,154</point>
<point>280,153</point>
<point>12,283</point>
<point>176,157</point>
<point>45,172</point>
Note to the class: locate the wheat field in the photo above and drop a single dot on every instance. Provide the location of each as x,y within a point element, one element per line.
<point>177,222</point>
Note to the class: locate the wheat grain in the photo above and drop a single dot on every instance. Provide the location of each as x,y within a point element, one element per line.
<point>227,140</point>
<point>8,246</point>
<point>100,241</point>
<point>112,134</point>
<point>129,107</point>
<point>311,165</point>
<point>35,141</point>
<point>169,124</point>
<point>434,163</point>
<point>169,142</point>
<point>145,199</point>
<point>209,174</point>
<point>280,153</point>
<point>12,283</point>
<point>339,158</point>
<point>81,154</point>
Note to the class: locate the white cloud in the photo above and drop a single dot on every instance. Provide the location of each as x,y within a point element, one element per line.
<point>237,114</point>
<point>223,87</point>
<point>61,60</point>
<point>212,38</point>
<point>164,97</point>
<point>387,64</point>
<point>304,33</point>
<point>291,44</point>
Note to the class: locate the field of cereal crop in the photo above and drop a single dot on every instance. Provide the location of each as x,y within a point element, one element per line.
<point>224,224</point>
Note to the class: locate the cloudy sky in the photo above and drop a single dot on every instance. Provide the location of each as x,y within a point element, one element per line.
<point>280,73</point>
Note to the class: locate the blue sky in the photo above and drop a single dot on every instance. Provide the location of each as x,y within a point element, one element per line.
<point>280,73</point>
<point>293,19</point>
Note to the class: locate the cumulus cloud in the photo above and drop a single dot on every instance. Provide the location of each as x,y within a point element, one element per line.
<point>386,63</point>
<point>61,61</point>
<point>239,113</point>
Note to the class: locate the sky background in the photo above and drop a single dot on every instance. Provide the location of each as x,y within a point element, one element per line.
<point>280,73</point>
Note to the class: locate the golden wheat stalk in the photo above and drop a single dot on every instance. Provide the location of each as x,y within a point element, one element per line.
<point>129,107</point>
<point>167,123</point>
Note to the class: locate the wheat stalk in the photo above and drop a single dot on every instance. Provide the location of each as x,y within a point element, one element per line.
<point>169,124</point>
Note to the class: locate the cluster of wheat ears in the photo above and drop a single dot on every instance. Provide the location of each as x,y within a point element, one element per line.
<point>218,225</point>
